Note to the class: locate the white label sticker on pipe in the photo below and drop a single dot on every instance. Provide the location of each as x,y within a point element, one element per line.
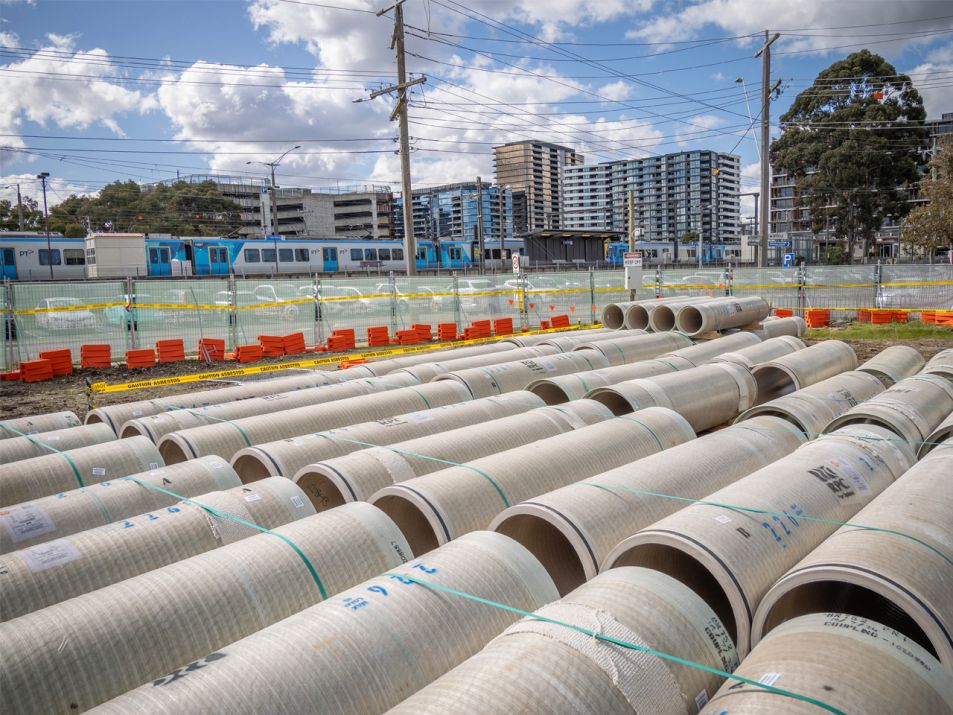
<point>99,471</point>
<point>701,700</point>
<point>297,501</point>
<point>26,521</point>
<point>722,519</point>
<point>252,497</point>
<point>49,555</point>
<point>853,476</point>
<point>769,678</point>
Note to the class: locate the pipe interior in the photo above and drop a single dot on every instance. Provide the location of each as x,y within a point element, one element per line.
<point>616,403</point>
<point>411,521</point>
<point>129,430</point>
<point>773,382</point>
<point>172,452</point>
<point>637,318</point>
<point>550,394</point>
<point>868,419</point>
<point>323,493</point>
<point>663,319</point>
<point>250,469</point>
<point>93,418</point>
<point>689,319</point>
<point>689,571</point>
<point>612,316</point>
<point>550,546</point>
<point>773,412</point>
<point>849,598</point>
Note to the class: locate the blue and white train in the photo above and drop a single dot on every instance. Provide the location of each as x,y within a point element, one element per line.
<point>656,253</point>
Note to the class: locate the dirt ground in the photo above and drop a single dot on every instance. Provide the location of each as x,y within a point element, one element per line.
<point>69,392</point>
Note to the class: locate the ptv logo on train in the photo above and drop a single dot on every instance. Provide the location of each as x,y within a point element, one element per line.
<point>27,252</point>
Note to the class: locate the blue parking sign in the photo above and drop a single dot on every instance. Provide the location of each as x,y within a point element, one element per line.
<point>788,260</point>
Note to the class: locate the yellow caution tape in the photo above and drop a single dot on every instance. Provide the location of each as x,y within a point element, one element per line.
<point>66,308</point>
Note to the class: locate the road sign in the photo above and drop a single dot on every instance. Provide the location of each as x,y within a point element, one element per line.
<point>632,260</point>
<point>516,263</point>
<point>788,260</point>
<point>779,244</point>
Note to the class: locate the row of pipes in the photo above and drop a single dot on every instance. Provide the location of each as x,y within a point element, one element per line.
<point>578,477</point>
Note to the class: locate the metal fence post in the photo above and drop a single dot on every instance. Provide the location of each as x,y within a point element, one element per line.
<point>392,286</point>
<point>456,300</point>
<point>878,284</point>
<point>658,281</point>
<point>232,312</point>
<point>801,292</point>
<point>592,296</point>
<point>131,327</point>
<point>524,303</point>
<point>9,323</point>
<point>318,313</point>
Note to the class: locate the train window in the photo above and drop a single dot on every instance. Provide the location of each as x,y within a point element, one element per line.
<point>45,254</point>
<point>301,255</point>
<point>397,254</point>
<point>357,254</point>
<point>268,255</point>
<point>454,253</point>
<point>421,254</point>
<point>74,257</point>
<point>383,254</point>
<point>286,255</point>
<point>370,254</point>
<point>252,255</point>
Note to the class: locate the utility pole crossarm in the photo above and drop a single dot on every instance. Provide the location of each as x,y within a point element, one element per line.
<point>396,87</point>
<point>766,90</point>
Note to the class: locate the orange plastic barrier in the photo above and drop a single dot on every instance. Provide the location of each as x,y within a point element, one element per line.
<point>424,332</point>
<point>783,313</point>
<point>170,350</point>
<point>863,316</point>
<point>559,321</point>
<point>141,358</point>
<point>36,370</point>
<point>378,336</point>
<point>211,349</point>
<point>294,344</point>
<point>446,332</point>
<point>62,360</point>
<point>817,318</point>
<point>96,355</point>
<point>503,326</point>
<point>248,353</point>
<point>407,337</point>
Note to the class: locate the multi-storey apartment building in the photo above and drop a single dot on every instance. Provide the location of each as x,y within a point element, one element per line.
<point>534,171</point>
<point>453,211</point>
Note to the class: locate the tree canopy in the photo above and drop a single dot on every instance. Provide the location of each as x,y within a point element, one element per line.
<point>930,226</point>
<point>854,141</point>
<point>181,209</point>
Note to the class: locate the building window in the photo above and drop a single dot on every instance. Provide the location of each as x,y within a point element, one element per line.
<point>285,255</point>
<point>45,256</point>
<point>268,255</point>
<point>301,255</point>
<point>252,255</point>
<point>74,257</point>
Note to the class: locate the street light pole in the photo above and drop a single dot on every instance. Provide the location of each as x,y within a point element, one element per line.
<point>273,190</point>
<point>19,205</point>
<point>46,221</point>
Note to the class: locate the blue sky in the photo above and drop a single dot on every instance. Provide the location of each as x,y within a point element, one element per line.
<point>226,82</point>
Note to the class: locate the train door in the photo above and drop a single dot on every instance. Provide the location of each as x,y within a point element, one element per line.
<point>218,260</point>
<point>329,256</point>
<point>8,263</point>
<point>160,261</point>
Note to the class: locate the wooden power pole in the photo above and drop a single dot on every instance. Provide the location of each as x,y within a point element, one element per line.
<point>766,90</point>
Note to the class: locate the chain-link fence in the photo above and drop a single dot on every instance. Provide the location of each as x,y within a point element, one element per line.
<point>135,313</point>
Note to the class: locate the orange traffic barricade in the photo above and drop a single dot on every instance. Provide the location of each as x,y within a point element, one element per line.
<point>95,355</point>
<point>36,370</point>
<point>170,350</point>
<point>61,360</point>
<point>145,357</point>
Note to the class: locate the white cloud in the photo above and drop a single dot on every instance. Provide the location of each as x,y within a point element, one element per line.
<point>615,91</point>
<point>750,177</point>
<point>9,39</point>
<point>57,189</point>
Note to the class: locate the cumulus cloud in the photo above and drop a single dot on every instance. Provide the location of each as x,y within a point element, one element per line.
<point>750,178</point>
<point>931,78</point>
<point>57,189</point>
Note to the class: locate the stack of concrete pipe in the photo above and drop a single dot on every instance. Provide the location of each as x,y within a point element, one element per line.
<point>770,349</point>
<point>540,666</point>
<point>526,341</point>
<point>941,364</point>
<point>633,346</point>
<point>701,318</point>
<point>659,317</point>
<point>27,447</point>
<point>776,327</point>
<point>911,409</point>
<point>59,515</point>
<point>155,427</point>
<point>706,396</point>
<point>226,438</point>
<point>849,663</point>
<point>63,471</point>
<point>613,314</point>
<point>894,363</point>
<point>581,337</point>
<point>438,507</point>
<point>286,456</point>
<point>941,434</point>
<point>357,476</point>
<point>117,415</point>
<point>73,655</point>
<point>731,557</point>
<point>898,572</point>
<point>382,367</point>
<point>366,649</point>
<point>48,573</point>
<point>787,374</point>
<point>571,530</point>
<point>10,429</point>
<point>427,371</point>
<point>510,376</point>
<point>704,351</point>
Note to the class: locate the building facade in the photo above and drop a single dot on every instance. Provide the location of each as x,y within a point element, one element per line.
<point>453,211</point>
<point>534,171</point>
<point>674,194</point>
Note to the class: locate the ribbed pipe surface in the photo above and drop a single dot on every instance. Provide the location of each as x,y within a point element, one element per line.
<point>571,530</point>
<point>563,388</point>
<point>61,472</point>
<point>38,424</point>
<point>912,408</point>
<point>565,343</point>
<point>776,327</point>
<point>805,367</point>
<point>732,558</point>
<point>894,363</point>
<point>812,408</point>
<point>286,456</point>
<point>510,376</point>
<point>436,508</point>
<point>226,438</point>
<point>706,350</point>
<point>155,427</point>
<point>659,316</point>
<point>383,367</point>
<point>851,664</point>
<point>525,341</point>
<point>59,515</point>
<point>770,349</point>
<point>941,364</point>
<point>365,650</point>
<point>636,345</point>
<point>941,434</point>
<point>425,372</point>
<point>18,448</point>
<point>892,579</point>
<point>613,314</point>
<point>117,415</point>
<point>706,396</point>
<point>535,665</point>
<point>102,644</point>
<point>697,319</point>
<point>357,476</point>
<point>41,575</point>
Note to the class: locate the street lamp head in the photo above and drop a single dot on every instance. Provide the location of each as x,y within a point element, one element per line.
<point>740,80</point>
<point>43,175</point>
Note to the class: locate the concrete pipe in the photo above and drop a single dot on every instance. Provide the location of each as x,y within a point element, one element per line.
<point>366,649</point>
<point>701,318</point>
<point>770,349</point>
<point>226,438</point>
<point>565,343</point>
<point>59,515</point>
<point>853,665</point>
<point>19,448</point>
<point>436,508</point>
<point>776,327</point>
<point>60,472</point>
<point>706,396</point>
<point>41,575</point>
<point>384,367</point>
<point>11,429</point>
<point>938,436</point>
<point>563,388</point>
<point>613,314</point>
<point>102,644</point>
<point>117,415</point>
<point>357,476</point>
<point>636,345</point>
<point>571,530</point>
<point>732,557</point>
<point>940,364</point>
<point>805,367</point>
<point>536,666</point>
<point>510,376</point>
<point>911,409</point>
<point>525,341</point>
<point>897,581</point>
<point>893,364</point>
<point>286,456</point>
<point>427,371</point>
<point>812,408</point>
<point>706,350</point>
<point>155,427</point>
<point>659,317</point>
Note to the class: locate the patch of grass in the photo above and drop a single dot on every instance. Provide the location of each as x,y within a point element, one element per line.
<point>889,331</point>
